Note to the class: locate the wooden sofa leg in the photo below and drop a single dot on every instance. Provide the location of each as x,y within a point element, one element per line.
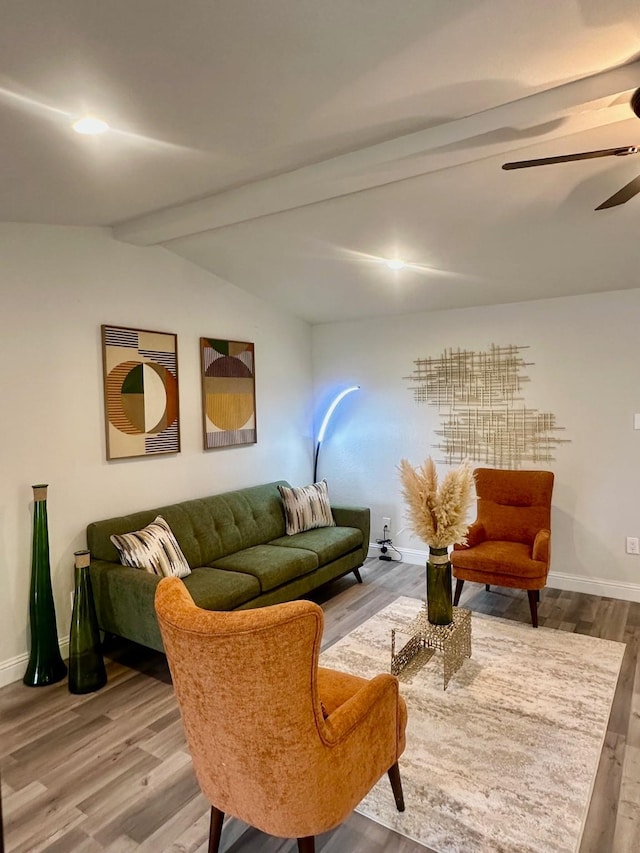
<point>487,587</point>
<point>533,606</point>
<point>307,844</point>
<point>215,829</point>
<point>396,786</point>
<point>357,574</point>
<point>457,593</point>
<point>108,640</point>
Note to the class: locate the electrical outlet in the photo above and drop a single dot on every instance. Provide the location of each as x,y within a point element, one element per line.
<point>633,545</point>
<point>386,522</point>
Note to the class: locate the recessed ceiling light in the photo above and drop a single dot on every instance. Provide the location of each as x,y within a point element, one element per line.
<point>90,125</point>
<point>395,264</point>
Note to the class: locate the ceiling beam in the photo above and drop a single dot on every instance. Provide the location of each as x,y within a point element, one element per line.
<point>406,156</point>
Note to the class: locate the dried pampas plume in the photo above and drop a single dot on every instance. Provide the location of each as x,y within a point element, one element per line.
<point>438,515</point>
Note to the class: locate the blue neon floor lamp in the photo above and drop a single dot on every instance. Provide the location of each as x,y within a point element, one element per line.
<point>325,423</point>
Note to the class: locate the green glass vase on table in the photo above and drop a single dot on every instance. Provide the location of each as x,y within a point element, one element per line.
<point>437,514</point>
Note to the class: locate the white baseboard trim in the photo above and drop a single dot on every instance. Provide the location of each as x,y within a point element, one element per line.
<point>595,586</point>
<point>409,555</point>
<point>556,580</point>
<point>13,669</point>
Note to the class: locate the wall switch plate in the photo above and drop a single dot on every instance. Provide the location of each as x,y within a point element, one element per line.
<point>636,421</point>
<point>633,545</point>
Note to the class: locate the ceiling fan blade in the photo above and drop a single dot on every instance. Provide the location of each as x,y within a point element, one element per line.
<point>627,192</point>
<point>566,158</point>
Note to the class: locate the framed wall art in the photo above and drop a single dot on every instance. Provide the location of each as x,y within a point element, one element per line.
<point>228,393</point>
<point>140,392</point>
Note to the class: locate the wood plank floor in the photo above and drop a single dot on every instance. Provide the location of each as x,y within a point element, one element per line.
<point>110,772</point>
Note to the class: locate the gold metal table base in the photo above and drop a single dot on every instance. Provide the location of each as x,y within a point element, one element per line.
<point>424,638</point>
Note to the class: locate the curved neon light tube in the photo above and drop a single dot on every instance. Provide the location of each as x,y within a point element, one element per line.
<point>325,423</point>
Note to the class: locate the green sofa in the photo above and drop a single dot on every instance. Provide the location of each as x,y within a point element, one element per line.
<point>239,554</point>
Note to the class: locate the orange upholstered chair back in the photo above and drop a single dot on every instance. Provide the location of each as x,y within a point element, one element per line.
<point>246,686</point>
<point>513,505</point>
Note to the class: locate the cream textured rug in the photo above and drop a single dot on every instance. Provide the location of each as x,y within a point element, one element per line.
<point>504,761</point>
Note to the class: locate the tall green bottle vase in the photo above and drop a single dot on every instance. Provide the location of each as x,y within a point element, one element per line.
<point>86,664</point>
<point>45,662</point>
<point>439,600</point>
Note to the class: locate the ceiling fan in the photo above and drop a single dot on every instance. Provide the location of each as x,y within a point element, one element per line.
<point>627,192</point>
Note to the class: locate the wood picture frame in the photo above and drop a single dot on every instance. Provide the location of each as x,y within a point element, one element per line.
<point>228,393</point>
<point>141,399</point>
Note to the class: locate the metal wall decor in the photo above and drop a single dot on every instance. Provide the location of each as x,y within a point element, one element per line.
<point>483,415</point>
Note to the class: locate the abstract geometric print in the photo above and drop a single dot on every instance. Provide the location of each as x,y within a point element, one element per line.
<point>141,392</point>
<point>228,393</point>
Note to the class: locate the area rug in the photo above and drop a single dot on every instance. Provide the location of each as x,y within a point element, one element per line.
<point>505,759</point>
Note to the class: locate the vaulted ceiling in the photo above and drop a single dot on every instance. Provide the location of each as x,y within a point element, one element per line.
<point>291,146</point>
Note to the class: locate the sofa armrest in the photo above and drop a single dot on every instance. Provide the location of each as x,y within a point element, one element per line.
<point>355,516</point>
<point>124,602</point>
<point>542,546</point>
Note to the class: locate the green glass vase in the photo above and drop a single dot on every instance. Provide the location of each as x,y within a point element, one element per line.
<point>439,600</point>
<point>45,662</point>
<point>86,664</point>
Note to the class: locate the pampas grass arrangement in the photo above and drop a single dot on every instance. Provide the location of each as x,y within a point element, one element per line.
<point>437,512</point>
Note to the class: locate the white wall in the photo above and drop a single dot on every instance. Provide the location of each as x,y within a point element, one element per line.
<point>57,285</point>
<point>586,370</point>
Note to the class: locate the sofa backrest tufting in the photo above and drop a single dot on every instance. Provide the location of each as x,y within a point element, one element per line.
<point>206,528</point>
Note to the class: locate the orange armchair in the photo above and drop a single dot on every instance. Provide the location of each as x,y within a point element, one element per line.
<point>276,741</point>
<point>509,544</point>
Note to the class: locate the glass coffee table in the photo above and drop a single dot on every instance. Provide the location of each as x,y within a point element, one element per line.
<point>454,640</point>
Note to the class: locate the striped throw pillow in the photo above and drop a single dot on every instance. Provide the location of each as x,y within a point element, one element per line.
<point>154,549</point>
<point>306,508</point>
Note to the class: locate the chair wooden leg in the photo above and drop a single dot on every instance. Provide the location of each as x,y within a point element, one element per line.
<point>396,786</point>
<point>533,606</point>
<point>457,593</point>
<point>538,596</point>
<point>357,574</point>
<point>307,844</point>
<point>215,829</point>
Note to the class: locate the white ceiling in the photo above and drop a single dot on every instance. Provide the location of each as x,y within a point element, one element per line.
<point>289,145</point>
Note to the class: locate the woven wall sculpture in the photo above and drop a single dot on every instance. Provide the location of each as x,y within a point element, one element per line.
<point>483,414</point>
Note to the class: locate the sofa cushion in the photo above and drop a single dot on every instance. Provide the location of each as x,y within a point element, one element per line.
<point>214,589</point>
<point>153,549</point>
<point>270,564</point>
<point>328,543</point>
<point>306,508</point>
